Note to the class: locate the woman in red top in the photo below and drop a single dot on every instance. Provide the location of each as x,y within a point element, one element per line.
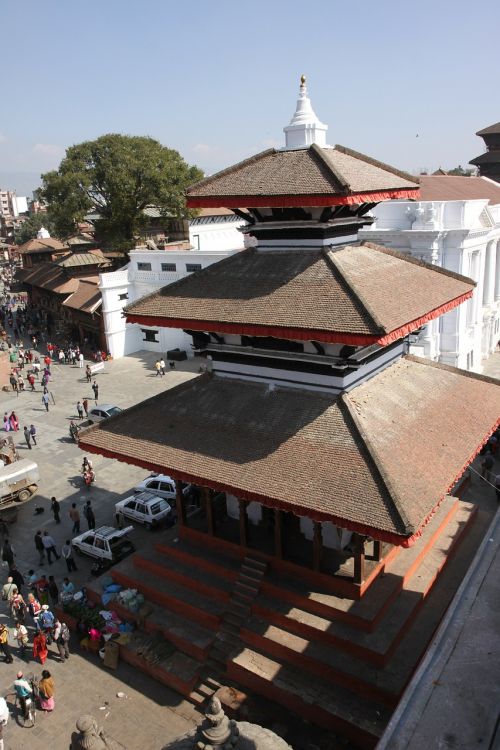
<point>40,649</point>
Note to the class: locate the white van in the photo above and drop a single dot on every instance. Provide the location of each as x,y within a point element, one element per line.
<point>18,482</point>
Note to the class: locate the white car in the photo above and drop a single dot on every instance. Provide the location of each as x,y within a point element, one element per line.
<point>105,543</point>
<point>162,486</point>
<point>104,411</point>
<point>146,508</point>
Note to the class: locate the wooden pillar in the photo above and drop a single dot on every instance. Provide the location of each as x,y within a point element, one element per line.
<point>243,523</point>
<point>359,561</point>
<point>377,549</point>
<point>317,546</point>
<point>209,509</point>
<point>278,533</point>
<point>179,502</point>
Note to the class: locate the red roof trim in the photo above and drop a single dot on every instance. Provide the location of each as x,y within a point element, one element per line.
<point>299,334</point>
<point>282,201</point>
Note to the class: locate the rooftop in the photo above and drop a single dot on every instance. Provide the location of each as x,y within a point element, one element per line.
<point>490,129</point>
<point>355,294</point>
<point>343,459</point>
<point>452,188</point>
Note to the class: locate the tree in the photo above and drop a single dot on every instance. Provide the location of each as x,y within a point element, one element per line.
<point>30,227</point>
<point>461,172</point>
<point>114,178</point>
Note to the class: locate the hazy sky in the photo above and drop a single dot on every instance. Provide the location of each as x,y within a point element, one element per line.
<point>218,79</point>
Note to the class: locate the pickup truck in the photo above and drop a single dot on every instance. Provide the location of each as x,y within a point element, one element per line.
<point>18,483</point>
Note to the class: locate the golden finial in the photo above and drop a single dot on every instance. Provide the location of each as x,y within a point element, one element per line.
<point>302,80</point>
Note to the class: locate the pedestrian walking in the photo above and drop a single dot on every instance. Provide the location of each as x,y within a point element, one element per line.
<point>18,608</point>
<point>50,547</point>
<point>158,368</point>
<point>79,408</point>
<point>20,383</point>
<point>34,608</point>
<point>31,381</point>
<point>67,553</point>
<point>80,360</point>
<point>46,691</point>
<point>61,637</point>
<point>40,650</point>
<point>14,422</point>
<point>89,514</point>
<point>162,366</point>
<point>85,404</point>
<point>42,590</point>
<point>27,437</point>
<point>33,433</point>
<point>40,547</point>
<point>9,589</point>
<point>21,636</point>
<point>53,591</point>
<point>95,388</point>
<point>88,373</point>
<point>4,644</point>
<point>45,400</point>
<point>75,517</point>
<point>55,508</point>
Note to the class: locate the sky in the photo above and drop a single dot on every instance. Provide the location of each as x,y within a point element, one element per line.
<point>408,84</point>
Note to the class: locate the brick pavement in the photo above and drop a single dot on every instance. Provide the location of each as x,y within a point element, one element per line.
<point>82,684</point>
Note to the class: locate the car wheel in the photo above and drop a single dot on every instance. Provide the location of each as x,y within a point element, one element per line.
<point>78,551</point>
<point>24,495</point>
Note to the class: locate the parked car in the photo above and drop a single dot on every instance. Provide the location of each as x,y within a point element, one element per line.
<point>146,508</point>
<point>104,411</point>
<point>162,486</point>
<point>105,543</point>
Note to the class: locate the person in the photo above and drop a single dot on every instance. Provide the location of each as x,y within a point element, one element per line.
<point>40,547</point>
<point>18,607</point>
<point>158,368</point>
<point>95,388</point>
<point>80,360</point>
<point>67,591</point>
<point>42,589</point>
<point>23,691</point>
<point>50,547</point>
<point>67,553</point>
<point>89,514</point>
<point>88,373</point>
<point>55,507</point>
<point>20,383</point>
<point>89,477</point>
<point>162,366</point>
<point>46,688</point>
<point>61,637</point>
<point>27,437</point>
<point>486,465</point>
<point>32,579</point>
<point>45,400</point>
<point>6,422</point>
<point>53,591</point>
<point>4,644</point>
<point>9,589</point>
<point>85,404</point>
<point>34,608</point>
<point>46,621</point>
<point>31,381</point>
<point>73,431</point>
<point>21,635</point>
<point>17,577</point>
<point>13,381</point>
<point>40,650</point>
<point>33,433</point>
<point>4,718</point>
<point>61,356</point>
<point>79,409</point>
<point>75,517</point>
<point>14,422</point>
<point>8,553</point>
<point>86,464</point>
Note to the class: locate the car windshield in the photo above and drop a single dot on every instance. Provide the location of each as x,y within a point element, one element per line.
<point>113,411</point>
<point>158,507</point>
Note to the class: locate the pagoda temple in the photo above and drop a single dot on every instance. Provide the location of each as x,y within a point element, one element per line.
<point>489,162</point>
<point>324,455</point>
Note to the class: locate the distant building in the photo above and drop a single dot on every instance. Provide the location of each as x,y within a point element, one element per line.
<point>489,163</point>
<point>11,204</point>
<point>455,225</point>
<point>212,236</point>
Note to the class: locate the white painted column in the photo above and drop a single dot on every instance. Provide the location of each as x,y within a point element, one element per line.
<point>497,272</point>
<point>489,274</point>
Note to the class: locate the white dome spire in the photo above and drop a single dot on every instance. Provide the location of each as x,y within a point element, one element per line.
<point>304,128</point>
<point>43,234</point>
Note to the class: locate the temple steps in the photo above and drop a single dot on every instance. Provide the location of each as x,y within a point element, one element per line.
<point>313,699</point>
<point>374,647</point>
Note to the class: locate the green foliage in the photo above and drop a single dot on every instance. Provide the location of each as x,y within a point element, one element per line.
<point>88,616</point>
<point>116,177</point>
<point>31,226</point>
<point>461,172</point>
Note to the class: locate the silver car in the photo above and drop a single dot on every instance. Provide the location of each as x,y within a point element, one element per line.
<point>104,411</point>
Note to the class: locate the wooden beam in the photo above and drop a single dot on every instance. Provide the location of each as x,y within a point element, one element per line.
<point>179,503</point>
<point>317,546</point>
<point>209,509</point>
<point>359,560</point>
<point>377,549</point>
<point>243,523</point>
<point>278,534</point>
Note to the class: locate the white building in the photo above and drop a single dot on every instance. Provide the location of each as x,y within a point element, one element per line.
<point>456,225</point>
<point>11,204</point>
<point>212,235</point>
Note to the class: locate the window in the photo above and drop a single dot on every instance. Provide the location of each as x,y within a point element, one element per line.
<point>196,241</point>
<point>150,335</point>
<point>153,485</point>
<point>192,267</point>
<point>130,505</point>
<point>165,487</point>
<point>168,267</point>
<point>123,296</point>
<point>144,266</point>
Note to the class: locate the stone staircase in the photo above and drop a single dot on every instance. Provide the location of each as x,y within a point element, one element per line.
<point>341,662</point>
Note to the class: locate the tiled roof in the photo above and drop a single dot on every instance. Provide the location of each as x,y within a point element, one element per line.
<point>41,246</point>
<point>379,458</point>
<point>490,129</point>
<point>454,188</point>
<point>86,298</point>
<point>90,258</point>
<point>312,171</point>
<point>51,277</point>
<point>490,157</point>
<point>356,289</point>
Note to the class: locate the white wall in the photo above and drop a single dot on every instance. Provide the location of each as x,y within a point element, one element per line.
<point>464,237</point>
